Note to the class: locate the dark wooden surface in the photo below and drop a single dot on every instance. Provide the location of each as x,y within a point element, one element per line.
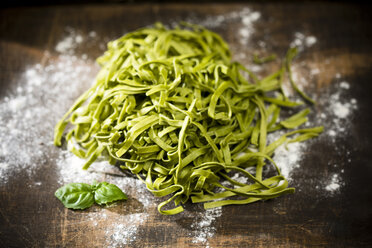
<point>34,218</point>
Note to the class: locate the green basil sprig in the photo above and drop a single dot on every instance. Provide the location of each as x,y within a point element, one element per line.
<point>83,195</point>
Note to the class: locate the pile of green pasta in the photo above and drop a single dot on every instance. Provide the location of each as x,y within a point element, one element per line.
<point>170,106</point>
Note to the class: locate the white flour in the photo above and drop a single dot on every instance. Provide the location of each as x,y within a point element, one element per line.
<point>203,229</point>
<point>247,29</point>
<point>31,109</point>
<point>339,110</point>
<point>334,183</point>
<point>289,158</point>
<point>124,230</point>
<point>4,168</point>
<point>120,229</point>
<point>29,113</point>
<point>246,17</point>
<point>302,41</point>
<point>335,118</point>
<point>68,44</point>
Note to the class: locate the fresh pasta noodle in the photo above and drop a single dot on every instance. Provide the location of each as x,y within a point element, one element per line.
<point>170,106</point>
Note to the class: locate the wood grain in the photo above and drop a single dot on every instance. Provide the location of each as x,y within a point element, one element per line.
<point>34,218</point>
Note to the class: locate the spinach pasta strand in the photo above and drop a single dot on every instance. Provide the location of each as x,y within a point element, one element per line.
<point>170,106</point>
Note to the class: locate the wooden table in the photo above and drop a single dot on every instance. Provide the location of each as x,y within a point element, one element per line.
<point>34,218</point>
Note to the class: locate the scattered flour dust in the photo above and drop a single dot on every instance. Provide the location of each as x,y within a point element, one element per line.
<point>69,169</point>
<point>247,29</point>
<point>120,230</point>
<point>31,109</point>
<point>339,109</point>
<point>335,117</point>
<point>33,106</point>
<point>244,17</point>
<point>120,235</point>
<point>302,41</point>
<point>334,184</point>
<point>203,229</point>
<point>288,158</point>
<point>28,115</point>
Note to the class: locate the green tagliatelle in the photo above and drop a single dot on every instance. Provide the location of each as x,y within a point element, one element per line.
<point>171,107</point>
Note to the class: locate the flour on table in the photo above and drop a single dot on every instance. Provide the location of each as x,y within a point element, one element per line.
<point>334,183</point>
<point>31,109</point>
<point>203,229</point>
<point>125,229</point>
<point>345,85</point>
<point>70,170</point>
<point>246,30</point>
<point>28,115</point>
<point>121,229</point>
<point>339,110</point>
<point>288,158</point>
<point>245,17</point>
<point>302,41</point>
<point>4,167</point>
<point>70,42</point>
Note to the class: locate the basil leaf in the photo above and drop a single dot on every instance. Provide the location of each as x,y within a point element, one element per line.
<point>107,192</point>
<point>76,195</point>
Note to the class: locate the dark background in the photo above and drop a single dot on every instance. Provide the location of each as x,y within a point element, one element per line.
<point>34,219</point>
<point>20,3</point>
